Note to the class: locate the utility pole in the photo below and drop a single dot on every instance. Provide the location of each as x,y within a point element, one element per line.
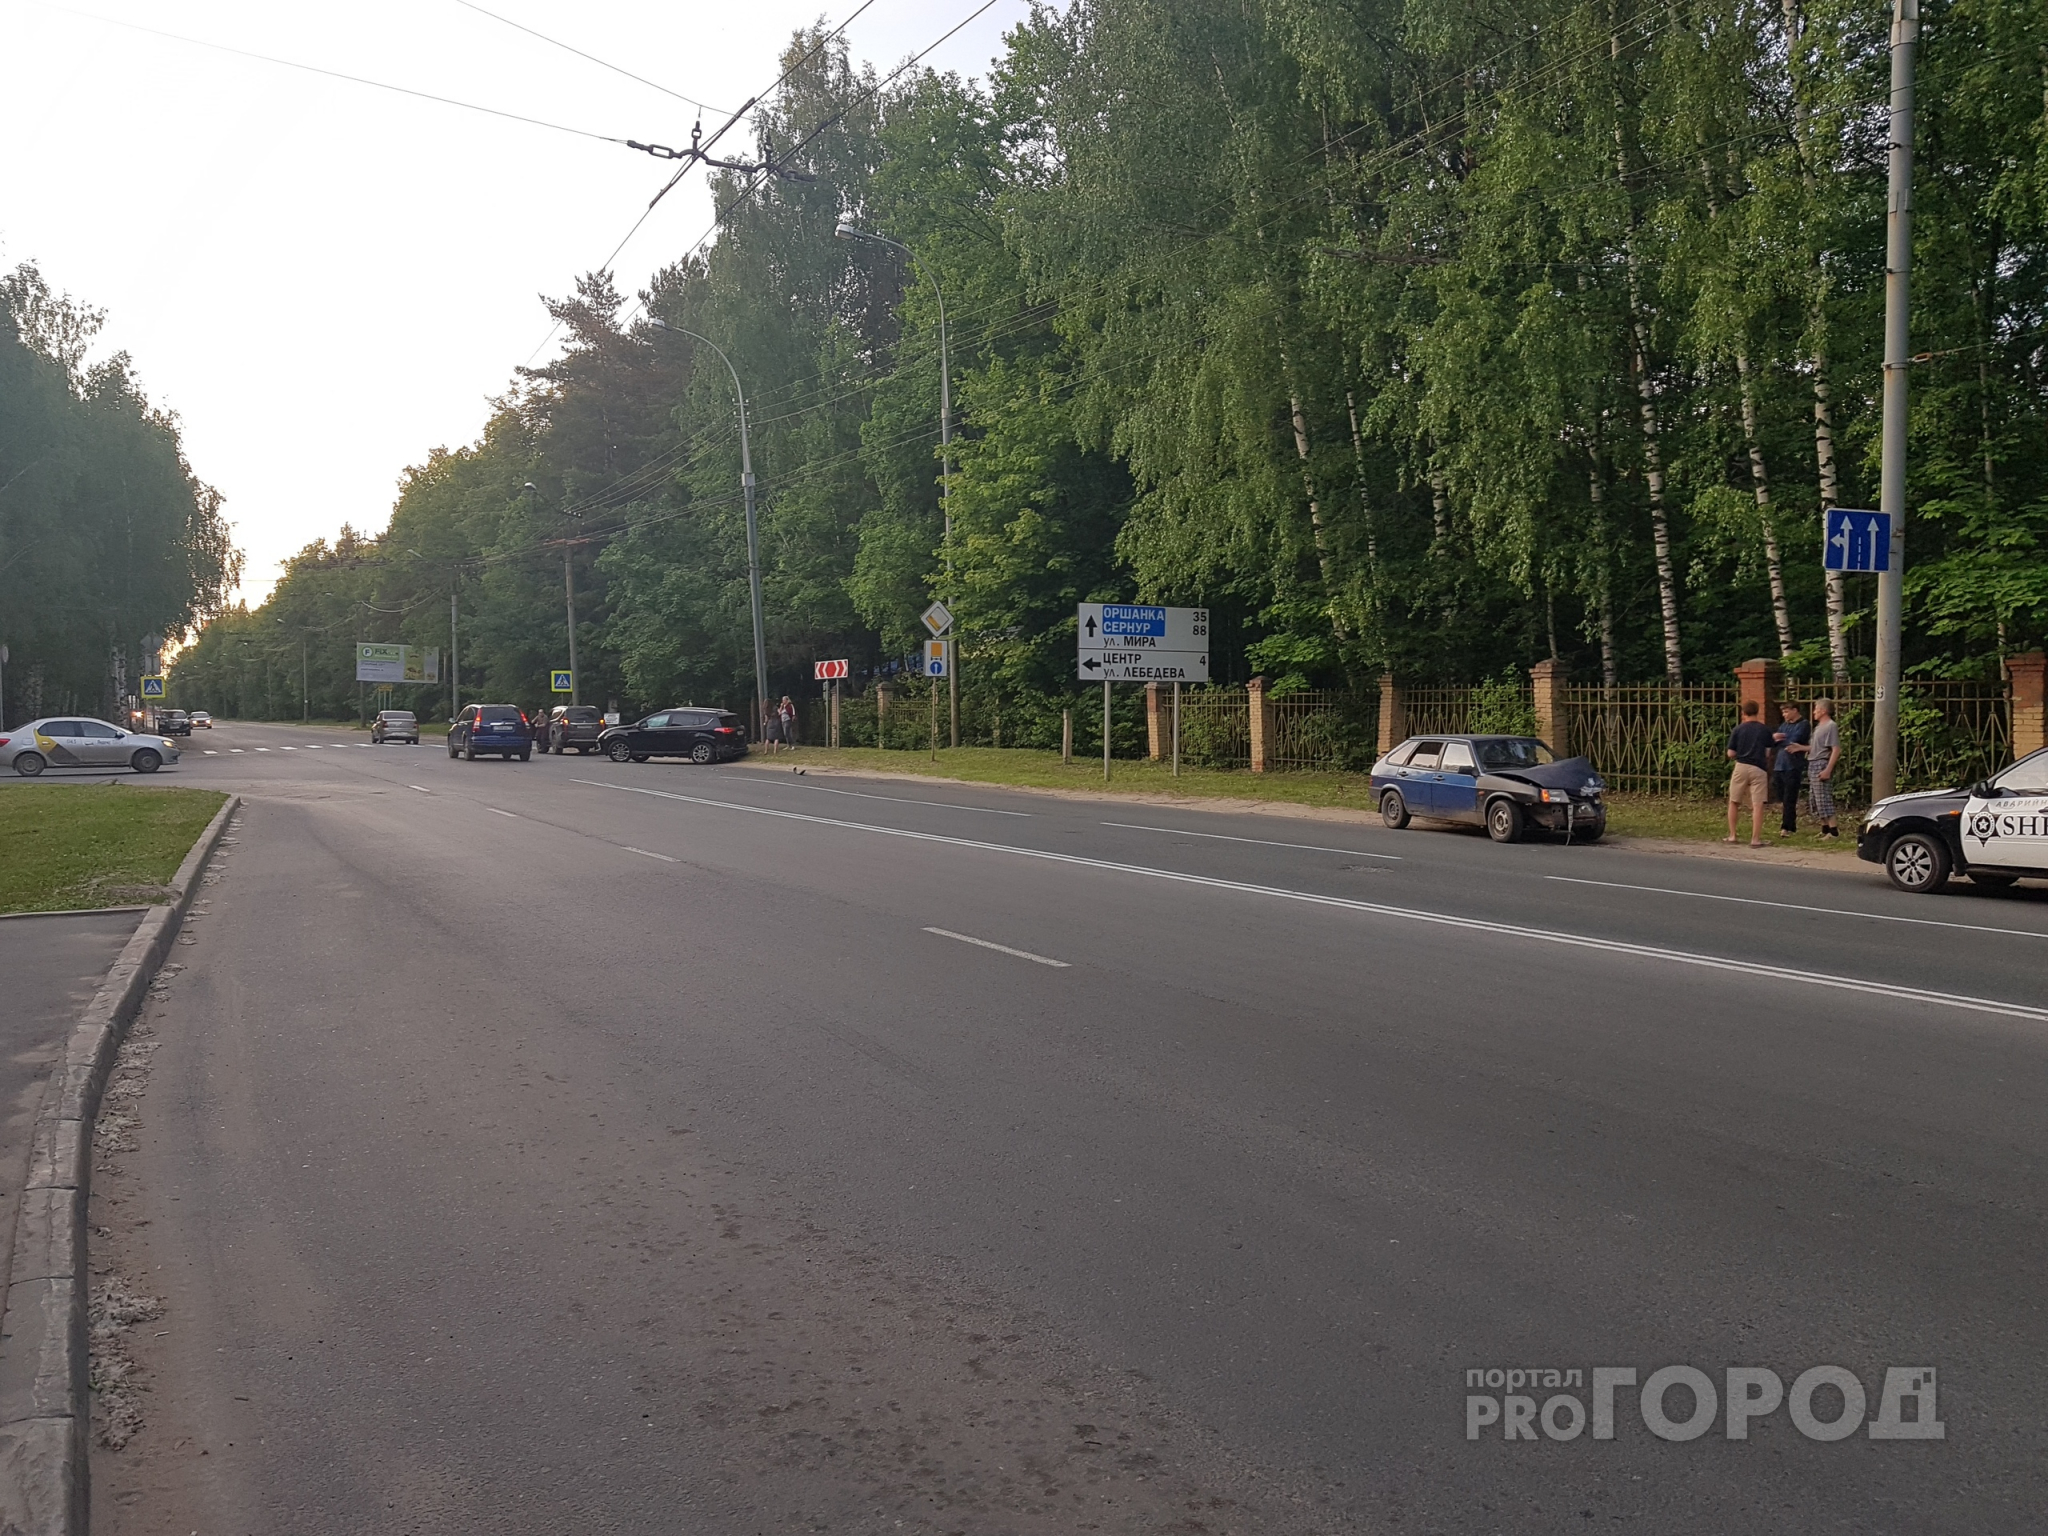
<point>454,667</point>
<point>305,690</point>
<point>848,230</point>
<point>753,534</point>
<point>1891,582</point>
<point>569,588</point>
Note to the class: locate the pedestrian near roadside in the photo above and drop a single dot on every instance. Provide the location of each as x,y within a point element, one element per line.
<point>1749,748</point>
<point>1788,766</point>
<point>1823,757</point>
<point>786,713</point>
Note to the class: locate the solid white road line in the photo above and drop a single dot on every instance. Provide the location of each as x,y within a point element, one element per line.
<point>1379,909</point>
<point>1800,906</point>
<point>496,812</point>
<point>1021,954</point>
<point>421,788</point>
<point>1132,826</point>
<point>646,855</point>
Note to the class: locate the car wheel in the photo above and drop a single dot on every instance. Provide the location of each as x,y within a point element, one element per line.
<point>618,752</point>
<point>1504,821</point>
<point>148,760</point>
<point>702,753</point>
<point>1917,862</point>
<point>469,752</point>
<point>1394,810</point>
<point>1992,882</point>
<point>526,757</point>
<point>640,757</point>
<point>29,764</point>
<point>1591,834</point>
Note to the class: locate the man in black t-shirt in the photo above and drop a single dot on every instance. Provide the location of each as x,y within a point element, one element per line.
<point>1749,748</point>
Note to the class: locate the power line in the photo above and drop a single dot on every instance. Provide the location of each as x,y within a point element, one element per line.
<point>335,74</point>
<point>593,58</point>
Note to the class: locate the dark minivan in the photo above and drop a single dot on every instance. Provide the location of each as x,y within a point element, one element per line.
<point>701,735</point>
<point>483,729</point>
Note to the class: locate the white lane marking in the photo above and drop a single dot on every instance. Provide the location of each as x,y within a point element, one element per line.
<point>282,749</point>
<point>1796,906</point>
<point>646,855</point>
<point>236,750</point>
<point>944,805</point>
<point>1021,954</point>
<point>421,788</point>
<point>1380,909</point>
<point>209,752</point>
<point>496,812</point>
<point>309,749</point>
<point>1132,826</point>
<point>263,749</point>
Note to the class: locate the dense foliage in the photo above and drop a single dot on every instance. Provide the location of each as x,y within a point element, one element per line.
<point>1418,336</point>
<point>106,538</point>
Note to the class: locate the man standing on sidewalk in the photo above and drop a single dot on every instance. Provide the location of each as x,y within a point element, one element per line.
<point>1824,755</point>
<point>1749,747</point>
<point>1789,766</point>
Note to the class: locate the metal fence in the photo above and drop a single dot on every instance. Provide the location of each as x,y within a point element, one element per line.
<point>1215,727</point>
<point>1318,729</point>
<point>1652,740</point>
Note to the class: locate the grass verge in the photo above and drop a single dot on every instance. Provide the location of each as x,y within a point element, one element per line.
<point>70,847</point>
<point>1685,820</point>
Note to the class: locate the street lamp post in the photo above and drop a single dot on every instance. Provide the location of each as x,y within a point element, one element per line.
<point>305,691</point>
<point>753,534</point>
<point>848,230</point>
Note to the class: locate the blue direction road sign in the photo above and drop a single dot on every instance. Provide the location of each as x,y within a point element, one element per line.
<point>1858,540</point>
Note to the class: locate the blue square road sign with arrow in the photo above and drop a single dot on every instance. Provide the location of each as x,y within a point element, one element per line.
<point>1857,540</point>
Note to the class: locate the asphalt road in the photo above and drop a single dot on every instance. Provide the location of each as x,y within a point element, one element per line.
<point>570,1145</point>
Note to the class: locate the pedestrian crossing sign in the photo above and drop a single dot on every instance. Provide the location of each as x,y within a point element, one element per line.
<point>152,687</point>
<point>564,681</point>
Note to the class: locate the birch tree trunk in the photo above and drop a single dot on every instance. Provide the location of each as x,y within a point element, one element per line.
<point>1781,610</point>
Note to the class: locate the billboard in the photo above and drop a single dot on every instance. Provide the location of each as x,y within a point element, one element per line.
<point>397,663</point>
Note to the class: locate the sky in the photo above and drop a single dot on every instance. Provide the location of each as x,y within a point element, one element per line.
<point>325,281</point>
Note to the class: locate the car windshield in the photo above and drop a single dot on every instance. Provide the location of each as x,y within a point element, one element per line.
<point>2028,776</point>
<point>493,714</point>
<point>583,714</point>
<point>397,715</point>
<point>1514,752</point>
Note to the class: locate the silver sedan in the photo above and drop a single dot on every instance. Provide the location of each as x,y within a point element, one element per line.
<point>79,741</point>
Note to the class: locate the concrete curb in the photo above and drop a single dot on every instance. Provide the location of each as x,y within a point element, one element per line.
<point>45,1400</point>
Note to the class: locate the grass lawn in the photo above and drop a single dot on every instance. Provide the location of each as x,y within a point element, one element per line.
<point>1688,820</point>
<point>67,847</point>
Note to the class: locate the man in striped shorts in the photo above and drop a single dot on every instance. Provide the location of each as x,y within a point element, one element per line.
<point>1823,756</point>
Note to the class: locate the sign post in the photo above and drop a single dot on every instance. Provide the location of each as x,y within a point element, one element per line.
<point>938,656</point>
<point>829,673</point>
<point>938,619</point>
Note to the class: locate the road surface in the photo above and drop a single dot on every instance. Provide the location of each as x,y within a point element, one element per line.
<point>645,1148</point>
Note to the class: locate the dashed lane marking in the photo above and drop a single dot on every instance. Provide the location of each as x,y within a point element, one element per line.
<point>1748,968</point>
<point>1021,954</point>
<point>1132,826</point>
<point>496,812</point>
<point>646,855</point>
<point>421,788</point>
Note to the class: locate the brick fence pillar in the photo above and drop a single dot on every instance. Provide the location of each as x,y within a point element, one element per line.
<point>2029,675</point>
<point>1262,723</point>
<point>1763,681</point>
<point>1393,715</point>
<point>1158,720</point>
<point>1546,682</point>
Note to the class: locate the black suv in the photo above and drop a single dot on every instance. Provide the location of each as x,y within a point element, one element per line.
<point>173,722</point>
<point>701,735</point>
<point>482,729</point>
<point>572,725</point>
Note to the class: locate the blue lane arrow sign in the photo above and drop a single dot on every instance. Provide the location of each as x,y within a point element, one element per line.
<point>1857,540</point>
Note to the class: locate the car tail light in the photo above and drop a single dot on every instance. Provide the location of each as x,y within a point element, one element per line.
<point>3,741</point>
<point>725,730</point>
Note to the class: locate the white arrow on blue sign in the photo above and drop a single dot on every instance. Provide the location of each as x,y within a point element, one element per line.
<point>1858,540</point>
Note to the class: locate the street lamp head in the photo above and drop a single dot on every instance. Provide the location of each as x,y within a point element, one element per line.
<point>848,230</point>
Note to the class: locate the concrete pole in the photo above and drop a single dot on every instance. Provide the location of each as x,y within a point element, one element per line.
<point>1066,735</point>
<point>454,664</point>
<point>569,588</point>
<point>1176,729</point>
<point>1884,725</point>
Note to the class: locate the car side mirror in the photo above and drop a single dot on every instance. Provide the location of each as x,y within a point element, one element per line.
<point>1984,789</point>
